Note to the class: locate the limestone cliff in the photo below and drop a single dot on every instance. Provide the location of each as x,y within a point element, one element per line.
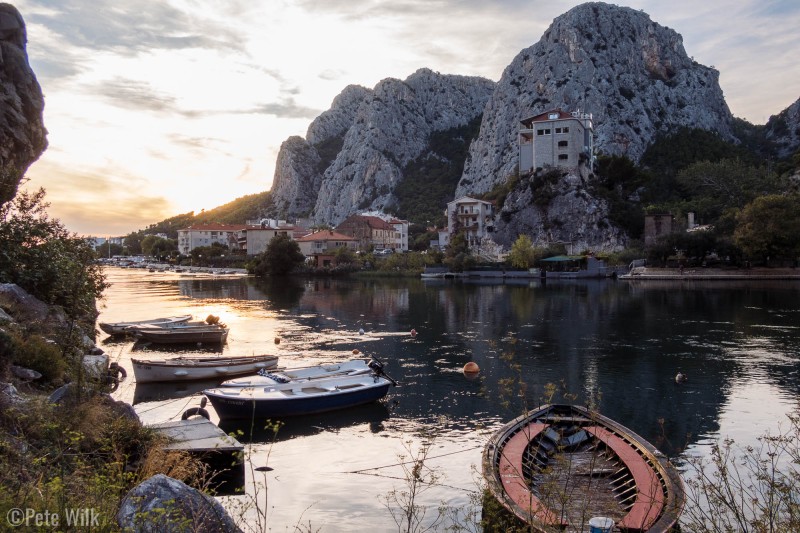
<point>23,136</point>
<point>783,130</point>
<point>632,74</point>
<point>360,146</point>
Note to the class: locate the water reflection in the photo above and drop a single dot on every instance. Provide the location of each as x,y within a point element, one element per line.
<point>372,416</point>
<point>616,342</point>
<point>157,392</point>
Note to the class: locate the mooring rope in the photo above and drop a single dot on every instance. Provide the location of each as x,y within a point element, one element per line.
<point>410,462</point>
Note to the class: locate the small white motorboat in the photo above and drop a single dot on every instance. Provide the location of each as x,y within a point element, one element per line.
<point>265,377</point>
<point>121,328</point>
<point>197,368</point>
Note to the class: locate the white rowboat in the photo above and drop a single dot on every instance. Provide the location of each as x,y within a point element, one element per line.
<point>197,368</point>
<point>120,328</point>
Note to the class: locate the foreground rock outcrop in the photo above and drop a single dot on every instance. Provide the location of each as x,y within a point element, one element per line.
<point>162,503</point>
<point>23,136</point>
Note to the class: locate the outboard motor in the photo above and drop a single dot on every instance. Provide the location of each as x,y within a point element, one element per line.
<point>377,368</point>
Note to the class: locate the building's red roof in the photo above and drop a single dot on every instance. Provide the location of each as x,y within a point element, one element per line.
<point>324,235</point>
<point>216,227</point>
<point>371,221</point>
<point>543,117</point>
<point>252,227</point>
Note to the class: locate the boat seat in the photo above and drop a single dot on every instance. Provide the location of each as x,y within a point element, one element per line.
<point>514,483</point>
<point>649,502</point>
<point>552,434</point>
<point>575,439</point>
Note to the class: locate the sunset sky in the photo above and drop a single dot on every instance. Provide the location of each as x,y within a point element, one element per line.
<point>161,107</point>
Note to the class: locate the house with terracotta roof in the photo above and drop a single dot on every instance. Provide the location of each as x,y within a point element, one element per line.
<point>557,139</point>
<point>208,234</point>
<point>371,232</point>
<point>321,246</point>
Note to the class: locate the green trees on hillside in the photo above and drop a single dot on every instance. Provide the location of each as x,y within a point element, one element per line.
<point>429,181</point>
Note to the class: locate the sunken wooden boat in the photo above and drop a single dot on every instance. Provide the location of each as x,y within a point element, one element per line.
<point>185,334</point>
<point>352,367</point>
<point>122,328</point>
<point>561,465</point>
<point>199,368</point>
<point>297,398</point>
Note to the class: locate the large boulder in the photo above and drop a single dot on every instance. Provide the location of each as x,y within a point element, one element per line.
<point>163,504</point>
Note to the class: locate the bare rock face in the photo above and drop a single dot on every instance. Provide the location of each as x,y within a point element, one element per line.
<point>555,206</point>
<point>23,136</point>
<point>337,120</point>
<point>632,74</point>
<point>355,152</point>
<point>162,503</point>
<point>783,130</point>
<point>297,178</point>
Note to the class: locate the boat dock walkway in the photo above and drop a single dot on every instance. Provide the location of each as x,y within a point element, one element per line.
<point>694,274</point>
<point>223,454</point>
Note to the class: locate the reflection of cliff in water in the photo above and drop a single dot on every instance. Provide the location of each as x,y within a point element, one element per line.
<point>609,340</point>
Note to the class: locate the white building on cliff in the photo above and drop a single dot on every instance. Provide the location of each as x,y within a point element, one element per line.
<point>555,138</point>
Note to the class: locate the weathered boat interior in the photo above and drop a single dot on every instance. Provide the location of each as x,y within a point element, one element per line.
<point>558,470</point>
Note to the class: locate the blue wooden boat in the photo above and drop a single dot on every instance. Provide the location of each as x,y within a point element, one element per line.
<point>296,398</point>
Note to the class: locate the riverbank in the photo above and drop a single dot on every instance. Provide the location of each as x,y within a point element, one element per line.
<point>651,273</point>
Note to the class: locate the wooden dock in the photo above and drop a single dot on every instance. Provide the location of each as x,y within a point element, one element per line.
<point>223,454</point>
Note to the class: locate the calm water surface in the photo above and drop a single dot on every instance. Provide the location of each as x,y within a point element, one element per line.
<point>619,342</point>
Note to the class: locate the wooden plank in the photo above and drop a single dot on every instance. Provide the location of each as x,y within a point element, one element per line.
<point>514,484</point>
<point>222,454</point>
<point>649,502</point>
<point>197,434</point>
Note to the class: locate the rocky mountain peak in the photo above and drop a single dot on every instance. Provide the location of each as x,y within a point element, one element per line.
<point>354,153</point>
<point>630,73</point>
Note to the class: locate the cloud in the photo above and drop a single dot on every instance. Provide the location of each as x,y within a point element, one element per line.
<point>287,108</point>
<point>134,94</point>
<point>130,27</point>
<point>332,74</point>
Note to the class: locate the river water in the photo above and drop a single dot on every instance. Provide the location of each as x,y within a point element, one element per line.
<point>615,343</point>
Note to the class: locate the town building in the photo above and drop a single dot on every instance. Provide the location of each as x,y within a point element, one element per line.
<point>371,232</point>
<point>321,246</point>
<point>401,232</point>
<point>208,234</point>
<point>257,234</point>
<point>475,217</point>
<point>557,139</point>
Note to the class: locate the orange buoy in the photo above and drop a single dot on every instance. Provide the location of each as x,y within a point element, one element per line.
<point>471,368</point>
<point>277,340</point>
<point>413,333</point>
<point>356,352</point>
